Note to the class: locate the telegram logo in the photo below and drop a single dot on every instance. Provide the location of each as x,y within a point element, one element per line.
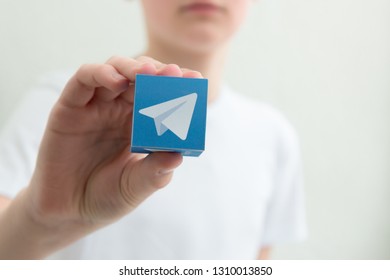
<point>169,115</point>
<point>175,115</point>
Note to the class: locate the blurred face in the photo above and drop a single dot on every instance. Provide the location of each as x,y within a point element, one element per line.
<point>193,25</point>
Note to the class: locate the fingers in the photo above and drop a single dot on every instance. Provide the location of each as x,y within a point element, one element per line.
<point>147,59</point>
<point>148,175</point>
<point>113,78</point>
<point>174,70</point>
<point>146,65</point>
<point>170,70</point>
<point>81,87</point>
<point>129,67</point>
<point>191,74</point>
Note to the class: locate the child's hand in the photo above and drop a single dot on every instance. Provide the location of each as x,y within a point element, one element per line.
<point>85,176</point>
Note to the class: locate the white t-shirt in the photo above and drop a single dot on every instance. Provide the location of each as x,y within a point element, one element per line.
<point>242,193</point>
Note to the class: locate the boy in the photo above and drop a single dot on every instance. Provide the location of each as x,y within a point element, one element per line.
<point>239,198</point>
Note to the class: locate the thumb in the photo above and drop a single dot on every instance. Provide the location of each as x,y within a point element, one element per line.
<point>148,175</point>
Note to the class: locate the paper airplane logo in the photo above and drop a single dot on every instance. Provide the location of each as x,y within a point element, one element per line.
<point>175,115</point>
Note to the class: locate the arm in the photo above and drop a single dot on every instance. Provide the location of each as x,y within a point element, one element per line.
<point>85,177</point>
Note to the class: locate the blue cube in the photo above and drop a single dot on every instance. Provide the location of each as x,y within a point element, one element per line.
<point>169,115</point>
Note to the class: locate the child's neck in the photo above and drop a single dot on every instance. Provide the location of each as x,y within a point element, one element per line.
<point>210,64</point>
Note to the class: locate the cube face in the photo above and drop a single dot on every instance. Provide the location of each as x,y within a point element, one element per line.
<point>169,115</point>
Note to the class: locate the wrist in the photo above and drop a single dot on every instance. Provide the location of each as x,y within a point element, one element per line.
<point>25,235</point>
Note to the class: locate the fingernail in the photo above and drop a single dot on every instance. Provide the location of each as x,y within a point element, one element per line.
<point>165,171</point>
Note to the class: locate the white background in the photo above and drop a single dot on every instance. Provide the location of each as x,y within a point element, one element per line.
<point>325,64</point>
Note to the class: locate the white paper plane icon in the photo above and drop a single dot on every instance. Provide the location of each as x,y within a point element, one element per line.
<point>175,115</point>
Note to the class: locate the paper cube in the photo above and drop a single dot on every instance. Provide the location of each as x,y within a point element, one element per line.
<point>169,115</point>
